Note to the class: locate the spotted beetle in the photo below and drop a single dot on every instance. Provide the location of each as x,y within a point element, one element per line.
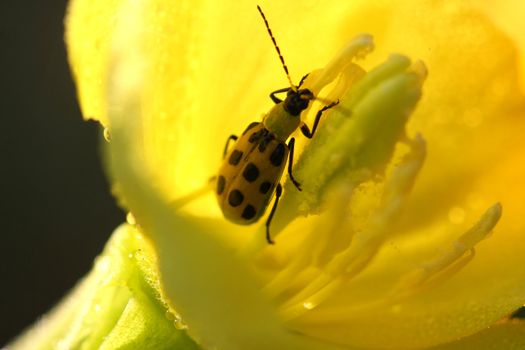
<point>252,169</point>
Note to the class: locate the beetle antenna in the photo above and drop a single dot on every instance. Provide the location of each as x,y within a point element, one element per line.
<point>294,88</point>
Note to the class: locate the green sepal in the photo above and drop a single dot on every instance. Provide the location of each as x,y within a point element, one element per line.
<point>118,305</point>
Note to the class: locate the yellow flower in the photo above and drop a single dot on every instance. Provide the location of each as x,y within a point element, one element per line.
<point>365,256</point>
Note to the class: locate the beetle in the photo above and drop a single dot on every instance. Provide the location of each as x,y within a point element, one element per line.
<point>251,171</point>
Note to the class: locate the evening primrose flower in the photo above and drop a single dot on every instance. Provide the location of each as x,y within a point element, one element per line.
<point>389,244</point>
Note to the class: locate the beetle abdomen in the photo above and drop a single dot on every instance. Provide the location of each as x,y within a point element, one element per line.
<point>249,174</point>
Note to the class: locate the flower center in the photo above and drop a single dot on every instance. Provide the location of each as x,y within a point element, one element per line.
<point>357,174</point>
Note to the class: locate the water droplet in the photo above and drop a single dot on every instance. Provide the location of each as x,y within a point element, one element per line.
<point>98,308</point>
<point>130,255</point>
<point>130,219</point>
<point>456,215</point>
<point>177,322</point>
<point>107,135</point>
<point>308,305</point>
<point>102,263</point>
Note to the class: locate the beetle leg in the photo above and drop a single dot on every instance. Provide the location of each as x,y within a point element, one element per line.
<point>291,145</point>
<point>276,99</point>
<point>278,192</point>
<point>232,137</point>
<point>304,128</point>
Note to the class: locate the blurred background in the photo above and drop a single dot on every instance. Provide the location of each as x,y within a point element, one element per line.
<point>56,208</point>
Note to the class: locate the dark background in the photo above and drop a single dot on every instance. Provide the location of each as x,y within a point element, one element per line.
<point>56,210</point>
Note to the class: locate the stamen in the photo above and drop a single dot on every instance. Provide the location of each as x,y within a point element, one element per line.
<point>362,249</point>
<point>443,266</point>
<point>354,149</point>
<point>322,243</point>
<point>358,47</point>
<point>431,273</point>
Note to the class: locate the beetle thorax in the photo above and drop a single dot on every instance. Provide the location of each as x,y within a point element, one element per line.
<point>281,123</point>
<point>285,117</point>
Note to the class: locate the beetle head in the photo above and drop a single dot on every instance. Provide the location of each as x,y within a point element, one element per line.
<point>297,101</point>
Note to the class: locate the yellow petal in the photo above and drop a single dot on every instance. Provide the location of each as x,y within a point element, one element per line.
<point>89,27</point>
<point>212,289</point>
<point>507,15</point>
<point>191,80</point>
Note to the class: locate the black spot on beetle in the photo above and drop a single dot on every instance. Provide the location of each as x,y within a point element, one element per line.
<point>265,187</point>
<point>221,182</point>
<point>235,157</point>
<point>248,212</point>
<point>265,142</point>
<point>253,137</point>
<point>251,172</point>
<point>235,198</point>
<point>277,156</point>
<point>256,136</point>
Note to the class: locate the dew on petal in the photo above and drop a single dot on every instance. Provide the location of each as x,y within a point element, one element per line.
<point>178,323</point>
<point>102,263</point>
<point>176,319</point>
<point>130,219</point>
<point>308,305</point>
